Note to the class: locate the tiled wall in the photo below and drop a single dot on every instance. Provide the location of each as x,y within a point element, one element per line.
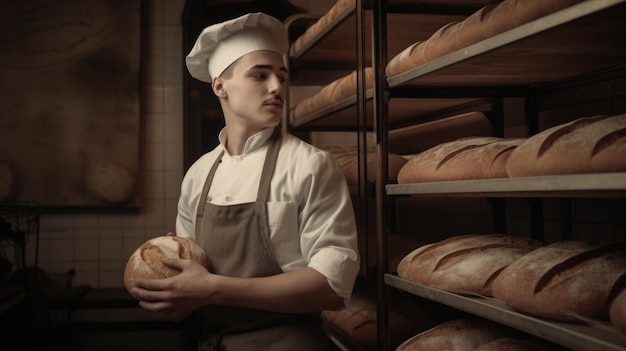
<point>97,244</point>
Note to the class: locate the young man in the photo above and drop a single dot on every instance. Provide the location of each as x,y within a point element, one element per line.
<point>273,213</point>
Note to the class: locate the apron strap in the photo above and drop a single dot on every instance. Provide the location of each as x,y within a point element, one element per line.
<point>205,188</point>
<point>268,167</point>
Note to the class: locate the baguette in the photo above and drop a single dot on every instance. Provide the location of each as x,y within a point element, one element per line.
<point>487,22</point>
<point>145,261</point>
<point>465,264</point>
<point>462,159</point>
<point>587,145</point>
<point>564,280</point>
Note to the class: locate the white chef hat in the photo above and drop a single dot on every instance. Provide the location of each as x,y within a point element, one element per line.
<point>221,44</point>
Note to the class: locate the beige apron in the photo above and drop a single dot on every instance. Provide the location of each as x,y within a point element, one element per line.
<point>236,240</point>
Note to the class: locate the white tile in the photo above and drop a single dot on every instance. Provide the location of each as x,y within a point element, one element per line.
<point>110,249</point>
<point>86,249</point>
<point>154,185</point>
<point>173,99</point>
<point>154,96</point>
<point>173,123</point>
<point>173,156</point>
<point>153,43</point>
<point>171,210</point>
<point>172,11</point>
<point>110,279</point>
<point>154,128</point>
<point>155,216</point>
<point>85,221</point>
<point>154,69</point>
<point>172,183</point>
<point>153,156</point>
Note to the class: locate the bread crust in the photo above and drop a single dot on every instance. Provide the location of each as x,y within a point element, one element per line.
<point>587,145</point>
<point>465,264</point>
<point>462,159</point>
<point>145,262</point>
<point>563,280</point>
<point>457,334</point>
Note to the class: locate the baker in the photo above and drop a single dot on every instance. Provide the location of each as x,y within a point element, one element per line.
<point>272,212</point>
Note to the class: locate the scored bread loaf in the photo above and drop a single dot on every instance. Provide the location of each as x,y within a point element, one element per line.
<point>145,261</point>
<point>617,312</point>
<point>488,21</point>
<point>462,159</point>
<point>564,280</point>
<point>587,145</point>
<point>455,335</point>
<point>358,319</point>
<point>348,161</point>
<point>465,264</point>
<point>336,91</point>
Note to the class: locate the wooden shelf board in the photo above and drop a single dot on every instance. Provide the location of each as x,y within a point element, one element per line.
<point>575,185</point>
<point>576,336</point>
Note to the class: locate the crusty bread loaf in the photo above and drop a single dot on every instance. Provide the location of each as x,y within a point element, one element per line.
<point>319,26</point>
<point>145,262</point>
<point>394,162</point>
<point>617,312</point>
<point>489,21</point>
<point>465,264</point>
<point>349,163</point>
<point>587,145</point>
<point>563,280</point>
<point>358,319</point>
<point>510,344</point>
<point>462,159</point>
<point>455,335</point>
<point>336,91</point>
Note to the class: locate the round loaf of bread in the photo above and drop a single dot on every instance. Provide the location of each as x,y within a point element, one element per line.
<point>462,159</point>
<point>617,312</point>
<point>564,280</point>
<point>457,335</point>
<point>586,145</point>
<point>465,264</point>
<point>145,262</point>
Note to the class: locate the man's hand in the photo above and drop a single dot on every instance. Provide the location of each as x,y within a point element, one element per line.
<point>175,298</point>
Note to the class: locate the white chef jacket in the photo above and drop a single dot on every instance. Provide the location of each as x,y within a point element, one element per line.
<point>310,213</point>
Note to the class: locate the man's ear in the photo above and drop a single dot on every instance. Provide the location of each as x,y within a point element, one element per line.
<point>218,87</point>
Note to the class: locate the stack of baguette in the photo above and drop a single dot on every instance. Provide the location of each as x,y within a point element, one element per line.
<point>587,145</point>
<point>487,22</point>
<point>465,264</point>
<point>465,158</point>
<point>566,280</point>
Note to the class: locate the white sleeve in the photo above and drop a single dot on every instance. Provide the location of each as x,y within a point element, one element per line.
<point>327,224</point>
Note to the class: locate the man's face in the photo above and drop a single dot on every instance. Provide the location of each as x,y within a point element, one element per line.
<point>256,91</point>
